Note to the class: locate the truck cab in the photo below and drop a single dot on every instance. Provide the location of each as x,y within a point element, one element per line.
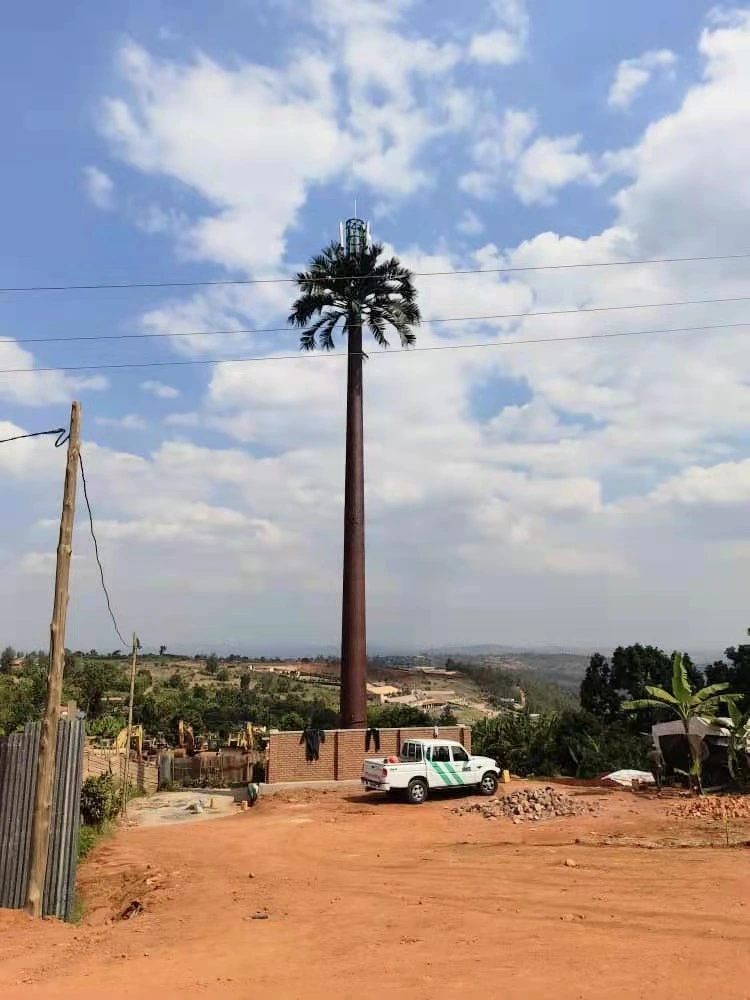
<point>424,765</point>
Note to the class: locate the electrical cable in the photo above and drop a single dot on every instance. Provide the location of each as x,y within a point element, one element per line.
<point>96,550</point>
<point>376,354</point>
<point>61,432</point>
<point>448,319</point>
<point>110,286</point>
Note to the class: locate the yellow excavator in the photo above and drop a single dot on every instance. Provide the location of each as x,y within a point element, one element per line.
<point>244,739</point>
<point>135,742</point>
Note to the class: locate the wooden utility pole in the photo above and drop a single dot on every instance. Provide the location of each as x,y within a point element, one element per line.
<point>40,828</point>
<point>126,778</point>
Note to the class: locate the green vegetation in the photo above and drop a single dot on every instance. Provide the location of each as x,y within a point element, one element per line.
<point>219,704</point>
<point>89,837</point>
<point>500,685</point>
<point>572,743</point>
<point>621,697</point>
<point>685,704</point>
<point>100,800</point>
<point>7,657</point>
<point>738,740</point>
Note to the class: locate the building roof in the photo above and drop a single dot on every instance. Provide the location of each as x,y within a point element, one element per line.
<point>384,689</point>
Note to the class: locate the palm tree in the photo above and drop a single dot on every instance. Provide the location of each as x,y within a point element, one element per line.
<point>349,290</point>
<point>686,705</point>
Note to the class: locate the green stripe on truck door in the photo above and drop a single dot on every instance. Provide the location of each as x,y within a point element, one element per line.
<point>455,774</point>
<point>446,772</point>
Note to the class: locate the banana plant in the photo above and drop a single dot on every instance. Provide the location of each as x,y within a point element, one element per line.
<point>739,737</point>
<point>686,704</point>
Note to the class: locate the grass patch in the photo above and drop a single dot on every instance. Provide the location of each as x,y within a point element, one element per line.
<point>79,911</point>
<point>89,837</point>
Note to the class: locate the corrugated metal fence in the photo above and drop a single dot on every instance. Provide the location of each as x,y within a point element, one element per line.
<point>19,754</point>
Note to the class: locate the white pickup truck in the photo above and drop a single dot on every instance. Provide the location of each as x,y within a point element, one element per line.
<point>426,764</point>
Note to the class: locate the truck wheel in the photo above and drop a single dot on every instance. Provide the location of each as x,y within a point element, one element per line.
<point>416,793</point>
<point>488,784</point>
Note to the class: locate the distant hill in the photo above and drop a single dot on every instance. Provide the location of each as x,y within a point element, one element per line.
<point>566,669</point>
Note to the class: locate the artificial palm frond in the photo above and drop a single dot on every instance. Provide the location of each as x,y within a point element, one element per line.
<point>369,290</point>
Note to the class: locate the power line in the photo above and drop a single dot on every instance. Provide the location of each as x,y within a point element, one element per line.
<point>448,319</point>
<point>109,286</point>
<point>61,432</point>
<point>376,354</point>
<point>96,550</point>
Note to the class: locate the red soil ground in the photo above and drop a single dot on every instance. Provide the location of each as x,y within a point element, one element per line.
<point>365,897</point>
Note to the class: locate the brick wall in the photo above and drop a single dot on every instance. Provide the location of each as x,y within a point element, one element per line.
<point>343,752</point>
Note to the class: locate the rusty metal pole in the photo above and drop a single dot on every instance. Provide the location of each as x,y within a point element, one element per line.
<point>40,828</point>
<point>353,622</point>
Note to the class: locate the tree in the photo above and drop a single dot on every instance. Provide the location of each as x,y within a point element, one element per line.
<point>7,657</point>
<point>686,705</point>
<point>92,680</point>
<point>162,650</point>
<point>350,286</point>
<point>717,672</point>
<point>398,717</point>
<point>633,667</point>
<point>598,693</point>
<point>212,663</point>
<point>447,717</point>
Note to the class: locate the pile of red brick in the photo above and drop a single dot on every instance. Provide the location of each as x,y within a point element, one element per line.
<point>713,807</point>
<point>531,805</point>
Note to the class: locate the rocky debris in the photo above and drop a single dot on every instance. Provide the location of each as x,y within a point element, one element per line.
<point>570,863</point>
<point>132,910</point>
<point>530,805</point>
<point>717,807</point>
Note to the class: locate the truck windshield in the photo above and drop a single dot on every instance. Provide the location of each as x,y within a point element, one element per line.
<point>411,751</point>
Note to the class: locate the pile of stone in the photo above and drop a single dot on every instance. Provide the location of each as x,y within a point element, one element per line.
<point>531,805</point>
<point>713,807</point>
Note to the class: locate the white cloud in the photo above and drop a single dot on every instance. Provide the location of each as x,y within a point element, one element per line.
<point>99,187</point>
<point>26,387</point>
<point>505,44</point>
<point>398,97</point>
<point>505,154</point>
<point>470,224</point>
<point>633,75</point>
<point>608,499</point>
<point>128,422</point>
<point>175,122</point>
<point>159,389</point>
<point>548,164</point>
<point>727,483</point>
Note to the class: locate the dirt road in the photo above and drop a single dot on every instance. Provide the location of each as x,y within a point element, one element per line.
<point>361,897</point>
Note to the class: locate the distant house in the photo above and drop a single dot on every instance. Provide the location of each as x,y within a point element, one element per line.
<point>381,692</point>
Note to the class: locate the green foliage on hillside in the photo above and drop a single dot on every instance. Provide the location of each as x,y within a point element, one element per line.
<point>100,686</point>
<point>497,684</point>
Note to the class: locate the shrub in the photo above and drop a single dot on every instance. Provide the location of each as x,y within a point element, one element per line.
<point>99,801</point>
<point>573,743</point>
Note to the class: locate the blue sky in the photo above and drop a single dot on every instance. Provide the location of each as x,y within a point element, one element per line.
<point>564,494</point>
